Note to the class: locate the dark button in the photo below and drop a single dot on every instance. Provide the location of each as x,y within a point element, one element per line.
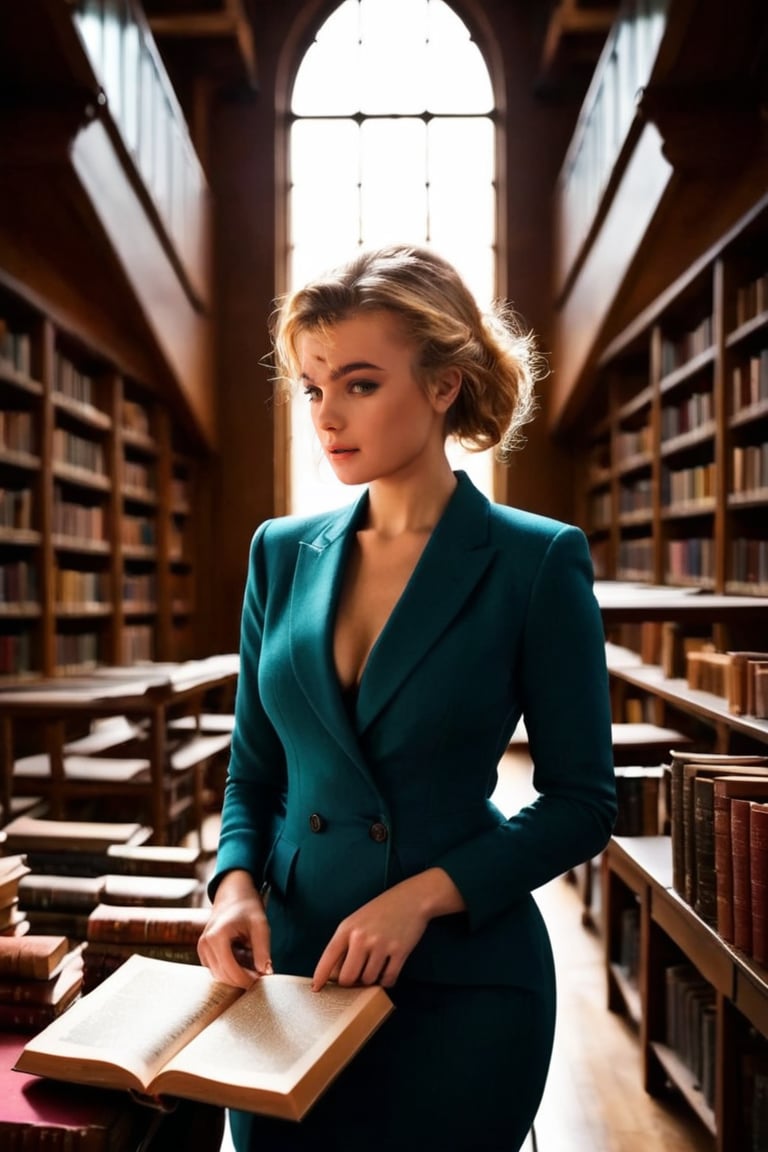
<point>378,832</point>
<point>316,822</point>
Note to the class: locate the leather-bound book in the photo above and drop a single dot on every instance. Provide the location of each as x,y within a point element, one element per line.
<point>726,787</point>
<point>740,852</point>
<point>758,864</point>
<point>32,957</point>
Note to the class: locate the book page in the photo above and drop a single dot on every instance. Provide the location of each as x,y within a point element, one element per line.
<point>273,1037</point>
<point>136,1019</point>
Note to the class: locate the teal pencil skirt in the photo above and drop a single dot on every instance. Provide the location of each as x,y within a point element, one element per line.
<point>459,1069</point>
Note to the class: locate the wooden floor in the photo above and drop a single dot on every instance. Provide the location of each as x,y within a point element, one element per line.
<point>594,1100</point>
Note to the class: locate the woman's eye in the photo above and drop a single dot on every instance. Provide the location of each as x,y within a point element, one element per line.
<point>363,387</point>
<point>312,393</point>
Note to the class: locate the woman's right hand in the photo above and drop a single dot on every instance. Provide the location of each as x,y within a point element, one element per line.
<point>234,944</point>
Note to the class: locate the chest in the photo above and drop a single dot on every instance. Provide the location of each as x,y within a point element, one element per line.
<point>375,578</point>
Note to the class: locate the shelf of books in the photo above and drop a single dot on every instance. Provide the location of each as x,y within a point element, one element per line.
<point>696,991</point>
<point>96,551</point>
<point>674,501</point>
<point>675,462</point>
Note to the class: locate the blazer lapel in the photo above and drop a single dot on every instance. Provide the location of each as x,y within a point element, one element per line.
<point>454,560</point>
<point>315,594</point>
<point>457,555</point>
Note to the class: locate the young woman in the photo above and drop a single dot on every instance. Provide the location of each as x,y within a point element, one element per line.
<point>388,652</point>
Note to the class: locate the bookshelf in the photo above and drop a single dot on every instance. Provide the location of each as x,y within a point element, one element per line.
<point>96,490</point>
<point>658,951</point>
<point>674,465</point>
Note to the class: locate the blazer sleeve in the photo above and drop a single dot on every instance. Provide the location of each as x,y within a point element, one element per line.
<point>566,707</point>
<point>255,788</point>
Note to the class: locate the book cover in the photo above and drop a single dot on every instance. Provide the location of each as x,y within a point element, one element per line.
<point>742,904</point>
<point>162,1029</point>
<point>758,868</point>
<point>58,922</point>
<point>32,833</point>
<point>19,990</point>
<point>22,1012</point>
<point>10,914</point>
<point>684,767</point>
<point>705,892</point>
<point>13,869</point>
<point>155,860</point>
<point>143,891</point>
<point>638,792</point>
<point>122,923</point>
<point>102,958</point>
<point>33,957</point>
<point>725,788</point>
<point>39,1115</point>
<point>40,891</point>
<point>738,689</point>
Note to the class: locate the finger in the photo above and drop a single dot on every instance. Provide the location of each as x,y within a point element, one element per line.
<point>218,969</point>
<point>390,973</point>
<point>245,956</point>
<point>217,955</point>
<point>328,966</point>
<point>373,970</point>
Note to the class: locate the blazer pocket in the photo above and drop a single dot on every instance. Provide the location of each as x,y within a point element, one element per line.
<point>280,865</point>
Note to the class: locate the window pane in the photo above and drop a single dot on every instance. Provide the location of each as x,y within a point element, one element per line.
<point>327,82</point>
<point>394,181</point>
<point>456,75</point>
<point>393,35</point>
<point>462,198</point>
<point>389,174</point>
<point>325,169</point>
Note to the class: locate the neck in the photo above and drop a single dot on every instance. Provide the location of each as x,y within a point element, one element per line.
<point>396,508</point>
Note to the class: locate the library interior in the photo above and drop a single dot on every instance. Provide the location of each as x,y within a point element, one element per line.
<point>169,169</point>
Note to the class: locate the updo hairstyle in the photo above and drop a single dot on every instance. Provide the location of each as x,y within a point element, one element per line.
<point>497,359</point>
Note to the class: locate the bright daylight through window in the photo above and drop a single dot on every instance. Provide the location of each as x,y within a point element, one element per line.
<point>392,140</point>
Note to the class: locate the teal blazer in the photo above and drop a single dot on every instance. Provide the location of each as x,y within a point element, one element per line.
<point>329,801</point>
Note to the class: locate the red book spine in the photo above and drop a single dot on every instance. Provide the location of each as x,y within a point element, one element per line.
<point>758,863</point>
<point>723,867</point>
<point>742,904</point>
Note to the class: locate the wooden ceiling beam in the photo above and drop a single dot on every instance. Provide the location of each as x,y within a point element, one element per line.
<point>569,19</point>
<point>230,21</point>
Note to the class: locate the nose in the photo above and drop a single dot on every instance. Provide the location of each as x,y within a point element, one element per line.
<point>327,413</point>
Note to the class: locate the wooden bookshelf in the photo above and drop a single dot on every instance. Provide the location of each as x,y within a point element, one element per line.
<point>674,465</point>
<point>650,930</point>
<point>625,667</point>
<point>96,490</point>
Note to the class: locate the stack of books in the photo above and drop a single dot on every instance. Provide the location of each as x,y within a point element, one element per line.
<point>130,872</point>
<point>13,869</point>
<point>40,976</point>
<point>59,905</point>
<point>70,847</point>
<point>116,932</point>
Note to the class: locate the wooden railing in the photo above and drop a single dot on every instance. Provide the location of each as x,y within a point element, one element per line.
<point>143,107</point>
<point>603,129</point>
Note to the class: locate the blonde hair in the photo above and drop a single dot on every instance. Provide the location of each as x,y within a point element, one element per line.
<point>497,359</point>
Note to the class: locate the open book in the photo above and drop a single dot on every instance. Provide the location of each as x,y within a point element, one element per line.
<point>159,1028</point>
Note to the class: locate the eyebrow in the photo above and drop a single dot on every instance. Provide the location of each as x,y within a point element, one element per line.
<point>345,369</point>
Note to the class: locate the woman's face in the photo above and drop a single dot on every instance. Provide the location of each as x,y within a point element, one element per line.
<point>373,418</point>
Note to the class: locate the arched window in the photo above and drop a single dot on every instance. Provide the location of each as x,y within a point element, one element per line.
<point>392,139</point>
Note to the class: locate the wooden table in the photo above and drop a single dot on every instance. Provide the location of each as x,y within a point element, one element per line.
<point>147,693</point>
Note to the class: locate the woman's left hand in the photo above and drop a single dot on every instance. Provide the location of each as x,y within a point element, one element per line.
<point>371,945</point>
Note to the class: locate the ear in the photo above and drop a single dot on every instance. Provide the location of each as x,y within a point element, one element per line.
<point>444,389</point>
